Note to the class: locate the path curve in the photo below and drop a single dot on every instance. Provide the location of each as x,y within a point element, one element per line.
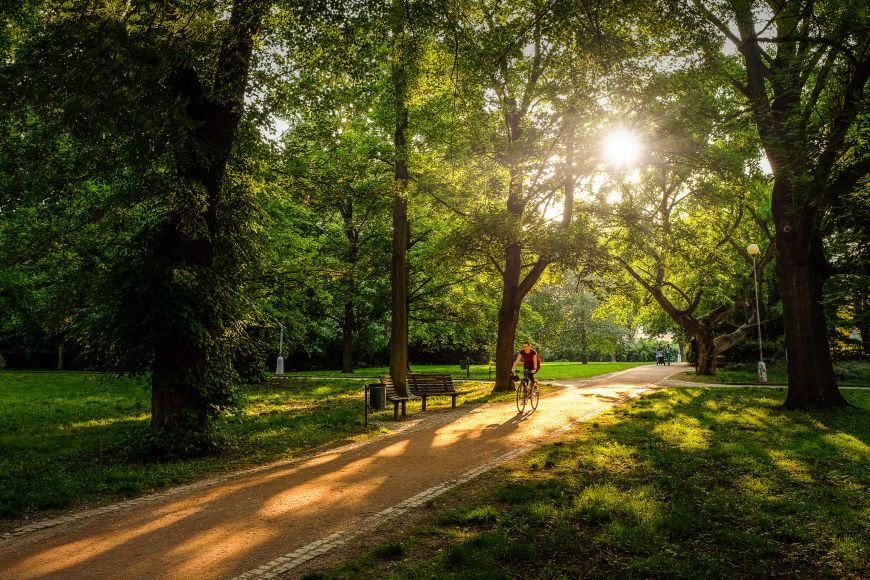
<point>263,522</point>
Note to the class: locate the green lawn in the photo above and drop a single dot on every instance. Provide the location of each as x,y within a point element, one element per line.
<point>685,483</point>
<point>67,439</point>
<point>848,373</point>
<point>549,370</point>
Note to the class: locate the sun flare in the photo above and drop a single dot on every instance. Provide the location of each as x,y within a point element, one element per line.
<point>622,148</point>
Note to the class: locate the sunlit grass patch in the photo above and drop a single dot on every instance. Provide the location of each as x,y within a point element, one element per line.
<point>849,447</point>
<point>797,470</point>
<point>684,433</point>
<point>612,457</point>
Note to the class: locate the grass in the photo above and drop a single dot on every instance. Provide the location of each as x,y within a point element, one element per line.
<point>848,373</point>
<point>549,370</point>
<point>685,483</point>
<point>66,439</point>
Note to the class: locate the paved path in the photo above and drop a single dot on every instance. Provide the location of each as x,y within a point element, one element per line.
<point>264,522</point>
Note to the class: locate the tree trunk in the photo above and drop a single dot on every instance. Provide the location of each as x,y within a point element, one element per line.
<point>349,320</point>
<point>60,357</point>
<point>705,364</point>
<point>508,318</point>
<point>613,356</point>
<point>347,329</point>
<point>176,404</point>
<point>811,381</point>
<point>401,230</point>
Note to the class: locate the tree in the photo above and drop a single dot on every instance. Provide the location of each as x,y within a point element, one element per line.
<point>159,92</point>
<point>531,76</point>
<point>802,69</point>
<point>678,225</point>
<point>333,168</point>
<point>572,326</point>
<point>401,52</point>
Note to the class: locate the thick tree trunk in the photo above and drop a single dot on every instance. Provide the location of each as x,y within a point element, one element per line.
<point>705,364</point>
<point>176,404</point>
<point>401,230</point>
<point>811,381</point>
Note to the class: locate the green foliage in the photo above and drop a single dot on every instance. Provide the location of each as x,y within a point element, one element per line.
<point>571,325</point>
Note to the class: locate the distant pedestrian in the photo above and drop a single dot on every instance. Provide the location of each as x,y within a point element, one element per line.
<point>660,356</point>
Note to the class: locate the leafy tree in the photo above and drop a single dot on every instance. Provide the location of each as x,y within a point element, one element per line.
<point>572,326</point>
<point>530,74</point>
<point>801,68</point>
<point>334,169</point>
<point>677,228</point>
<point>156,94</point>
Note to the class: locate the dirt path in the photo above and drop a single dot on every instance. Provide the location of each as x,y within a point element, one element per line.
<point>266,521</point>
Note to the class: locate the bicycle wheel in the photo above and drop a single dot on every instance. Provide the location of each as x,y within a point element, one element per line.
<point>521,396</point>
<point>533,395</point>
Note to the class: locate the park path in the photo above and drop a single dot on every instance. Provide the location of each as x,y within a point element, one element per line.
<point>263,522</point>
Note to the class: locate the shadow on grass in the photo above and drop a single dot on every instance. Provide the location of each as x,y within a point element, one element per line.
<point>72,439</point>
<point>685,483</point>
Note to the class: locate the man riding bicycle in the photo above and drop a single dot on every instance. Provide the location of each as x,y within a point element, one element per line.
<point>531,361</point>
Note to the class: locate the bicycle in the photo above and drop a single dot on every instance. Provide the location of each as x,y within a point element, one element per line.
<point>527,390</point>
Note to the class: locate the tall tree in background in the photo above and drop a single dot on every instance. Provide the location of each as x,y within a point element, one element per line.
<point>803,73</point>
<point>678,226</point>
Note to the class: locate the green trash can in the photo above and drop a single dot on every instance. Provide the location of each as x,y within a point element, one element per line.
<point>377,396</point>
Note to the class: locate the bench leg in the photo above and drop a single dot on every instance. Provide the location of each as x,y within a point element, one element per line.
<point>424,403</point>
<point>453,397</point>
<point>403,408</point>
<point>396,410</point>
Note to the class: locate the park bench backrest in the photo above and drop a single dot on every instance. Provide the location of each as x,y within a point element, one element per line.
<point>431,383</point>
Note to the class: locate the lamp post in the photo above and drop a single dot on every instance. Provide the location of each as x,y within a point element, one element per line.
<point>279,367</point>
<point>753,251</point>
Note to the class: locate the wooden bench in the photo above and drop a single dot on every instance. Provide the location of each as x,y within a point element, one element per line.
<point>426,385</point>
<point>395,398</point>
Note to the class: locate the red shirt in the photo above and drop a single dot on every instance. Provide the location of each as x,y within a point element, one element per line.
<point>530,359</point>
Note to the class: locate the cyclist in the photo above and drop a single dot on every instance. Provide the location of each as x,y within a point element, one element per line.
<point>531,361</point>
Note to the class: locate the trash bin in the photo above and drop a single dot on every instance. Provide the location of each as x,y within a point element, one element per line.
<point>377,396</point>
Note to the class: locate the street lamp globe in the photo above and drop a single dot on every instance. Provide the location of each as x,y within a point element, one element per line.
<point>753,249</point>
